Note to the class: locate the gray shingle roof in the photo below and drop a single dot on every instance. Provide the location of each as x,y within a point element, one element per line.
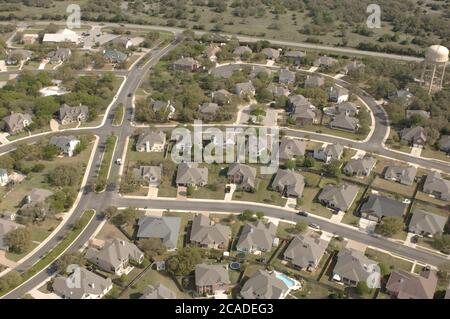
<point>158,292</point>
<point>341,197</point>
<point>402,174</point>
<point>314,81</point>
<point>428,223</point>
<point>152,138</point>
<point>208,275</point>
<point>413,134</point>
<point>305,251</point>
<point>115,55</point>
<point>286,76</point>
<point>208,108</point>
<point>345,122</point>
<point>73,113</point>
<point>360,165</point>
<point>271,53</point>
<point>278,90</point>
<point>290,148</point>
<point>247,172</point>
<point>63,142</point>
<point>204,232</point>
<point>381,206</point>
<point>405,285</point>
<point>444,143</point>
<point>151,174</point>
<point>192,174</point>
<point>434,183</point>
<point>165,228</point>
<point>16,121</point>
<point>353,265</point>
<point>259,235</point>
<point>264,285</point>
<point>290,182</point>
<point>242,50</point>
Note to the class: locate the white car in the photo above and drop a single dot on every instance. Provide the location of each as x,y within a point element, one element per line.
<point>119,161</point>
<point>406,201</point>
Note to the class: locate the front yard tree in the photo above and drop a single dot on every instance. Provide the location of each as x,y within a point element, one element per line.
<point>362,289</point>
<point>259,215</point>
<point>391,226</point>
<point>62,263</point>
<point>184,262</point>
<point>290,164</point>
<point>18,240</point>
<point>110,212</point>
<point>442,242</point>
<point>246,215</point>
<point>10,280</point>
<point>301,227</point>
<point>444,271</point>
<point>152,247</point>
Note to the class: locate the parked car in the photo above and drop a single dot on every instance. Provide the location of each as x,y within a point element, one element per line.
<point>119,161</point>
<point>314,226</point>
<point>302,213</point>
<point>227,189</point>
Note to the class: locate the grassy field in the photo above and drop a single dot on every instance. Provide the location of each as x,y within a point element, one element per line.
<point>106,163</point>
<point>393,187</point>
<point>118,115</point>
<point>430,153</point>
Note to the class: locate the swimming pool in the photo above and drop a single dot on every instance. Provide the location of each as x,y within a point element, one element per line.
<point>288,281</point>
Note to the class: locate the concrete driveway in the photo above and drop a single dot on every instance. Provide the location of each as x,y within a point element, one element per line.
<point>181,192</point>
<point>152,192</point>
<point>229,196</point>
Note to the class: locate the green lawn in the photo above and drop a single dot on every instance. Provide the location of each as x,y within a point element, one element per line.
<point>310,204</point>
<point>118,115</point>
<point>429,208</point>
<point>185,219</point>
<point>102,177</point>
<point>262,194</point>
<point>431,153</point>
<point>391,262</point>
<point>16,257</point>
<point>217,181</point>
<point>393,187</point>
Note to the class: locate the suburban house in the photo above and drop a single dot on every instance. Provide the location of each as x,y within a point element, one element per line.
<point>114,56</point>
<point>152,141</point>
<point>151,174</point>
<point>71,114</point>
<point>360,167</point>
<point>270,53</point>
<point>206,234</point>
<point>165,228</point>
<point>406,285</point>
<point>305,116</point>
<point>241,50</point>
<point>16,56</point>
<point>325,61</point>
<point>186,64</point>
<point>211,279</point>
<point>160,291</point>
<point>314,81</point>
<point>66,144</point>
<point>352,266</point>
<point>288,183</point>
<point>295,56</point>
<point>414,136</point>
<point>88,285</point>
<point>377,207</point>
<point>437,186</point>
<point>5,227</point>
<point>17,122</point>
<point>59,55</point>
<point>444,143</point>
<point>4,179</point>
<point>243,175</point>
<point>278,90</point>
<point>221,97</point>
<point>338,197</point>
<point>344,122</point>
<point>209,108</point>
<point>264,285</point>
<point>163,107</point>
<point>35,196</point>
<point>291,148</point>
<point>338,94</point>
<point>28,39</point>
<point>115,257</point>
<point>427,224</point>
<point>258,238</point>
<point>245,89</point>
<point>331,152</point>
<point>286,76</point>
<point>401,174</point>
<point>297,101</point>
<point>421,113</point>
<point>65,35</point>
<point>345,108</point>
<point>211,52</point>
<point>352,66</point>
<point>305,252</point>
<point>122,42</point>
<point>191,175</point>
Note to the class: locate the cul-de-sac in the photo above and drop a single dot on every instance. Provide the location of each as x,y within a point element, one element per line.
<point>232,149</point>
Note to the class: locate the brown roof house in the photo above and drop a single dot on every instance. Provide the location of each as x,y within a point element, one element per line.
<point>314,81</point>
<point>211,279</point>
<point>437,186</point>
<point>377,207</point>
<point>353,267</point>
<point>160,291</point>
<point>17,122</point>
<point>37,196</point>
<point>264,285</point>
<point>82,284</point>
<point>69,114</point>
<point>401,174</point>
<point>305,252</point>
<point>325,61</point>
<point>360,167</point>
<point>191,175</point>
<point>425,223</point>
<point>339,197</point>
<point>152,141</point>
<point>257,238</point>
<point>186,64</point>
<point>243,175</point>
<point>414,136</point>
<point>115,257</point>
<point>206,234</point>
<point>291,148</point>
<point>406,285</point>
<point>288,183</point>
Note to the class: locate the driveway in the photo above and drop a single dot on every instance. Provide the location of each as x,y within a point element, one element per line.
<point>336,218</point>
<point>416,151</point>
<point>5,261</point>
<point>152,192</point>
<point>4,138</point>
<point>229,196</point>
<point>351,244</point>
<point>182,192</point>
<point>367,226</point>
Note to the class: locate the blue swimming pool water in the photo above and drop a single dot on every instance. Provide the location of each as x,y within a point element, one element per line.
<point>288,281</point>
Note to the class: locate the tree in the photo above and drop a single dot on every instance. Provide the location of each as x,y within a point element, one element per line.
<point>128,216</point>
<point>362,289</point>
<point>390,226</point>
<point>444,271</point>
<point>183,263</point>
<point>246,215</point>
<point>301,227</point>
<point>309,161</point>
<point>441,242</point>
<point>259,215</point>
<point>62,263</point>
<point>291,164</point>
<point>110,212</point>
<point>65,175</point>
<point>50,152</point>
<point>152,247</point>
<point>18,240</point>
<point>333,169</point>
<point>10,280</point>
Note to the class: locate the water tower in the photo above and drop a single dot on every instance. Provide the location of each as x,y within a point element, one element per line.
<point>436,59</point>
